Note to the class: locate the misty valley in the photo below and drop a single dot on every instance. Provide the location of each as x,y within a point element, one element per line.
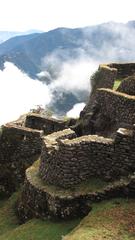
<point>63,66</point>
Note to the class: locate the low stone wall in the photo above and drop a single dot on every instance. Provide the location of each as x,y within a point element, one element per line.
<point>110,111</point>
<point>118,109</point>
<point>127,86</point>
<point>49,155</point>
<point>69,162</point>
<point>19,148</point>
<point>48,125</point>
<point>42,201</point>
<point>104,77</point>
<point>117,105</point>
<point>123,69</point>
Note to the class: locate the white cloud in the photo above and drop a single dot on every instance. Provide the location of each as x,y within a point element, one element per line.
<point>19,93</point>
<point>75,111</point>
<point>72,75</point>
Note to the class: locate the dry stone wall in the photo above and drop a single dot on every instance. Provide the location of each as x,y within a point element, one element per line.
<point>127,85</point>
<point>19,148</point>
<point>53,188</point>
<point>110,111</point>
<point>69,162</point>
<point>47,124</point>
<point>103,78</point>
<point>123,69</point>
<point>41,201</point>
<point>114,110</point>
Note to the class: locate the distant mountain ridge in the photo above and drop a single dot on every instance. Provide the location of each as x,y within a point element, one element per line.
<point>46,52</point>
<point>100,42</point>
<point>5,35</point>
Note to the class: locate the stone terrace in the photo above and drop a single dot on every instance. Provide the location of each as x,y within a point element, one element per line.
<point>69,162</point>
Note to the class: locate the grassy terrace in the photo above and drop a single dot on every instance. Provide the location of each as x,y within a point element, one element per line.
<point>34,229</point>
<point>92,185</point>
<point>110,220</point>
<point>116,84</point>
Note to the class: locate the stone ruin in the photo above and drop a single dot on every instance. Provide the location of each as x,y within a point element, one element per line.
<point>107,109</point>
<point>20,146</point>
<point>78,162</point>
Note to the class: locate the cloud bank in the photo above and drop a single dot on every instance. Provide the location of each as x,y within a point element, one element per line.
<point>74,75</point>
<point>68,78</point>
<point>19,93</point>
<point>68,69</point>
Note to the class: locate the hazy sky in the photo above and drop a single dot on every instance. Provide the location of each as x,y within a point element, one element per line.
<point>48,14</point>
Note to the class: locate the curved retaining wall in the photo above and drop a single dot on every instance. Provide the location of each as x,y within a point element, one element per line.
<point>69,162</point>
<point>41,200</point>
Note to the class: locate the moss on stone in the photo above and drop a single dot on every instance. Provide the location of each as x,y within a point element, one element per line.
<point>116,84</point>
<point>93,185</point>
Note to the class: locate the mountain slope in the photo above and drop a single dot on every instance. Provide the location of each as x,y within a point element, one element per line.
<point>57,54</point>
<point>102,42</point>
<point>29,50</point>
<point>5,35</point>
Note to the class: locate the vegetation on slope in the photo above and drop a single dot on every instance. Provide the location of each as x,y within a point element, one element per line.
<point>34,229</point>
<point>114,219</point>
<point>116,84</point>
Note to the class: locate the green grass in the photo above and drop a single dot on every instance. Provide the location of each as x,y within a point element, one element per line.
<point>34,229</point>
<point>8,220</point>
<point>110,220</point>
<point>116,84</point>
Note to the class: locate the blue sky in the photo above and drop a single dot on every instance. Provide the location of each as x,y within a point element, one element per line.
<point>22,15</point>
